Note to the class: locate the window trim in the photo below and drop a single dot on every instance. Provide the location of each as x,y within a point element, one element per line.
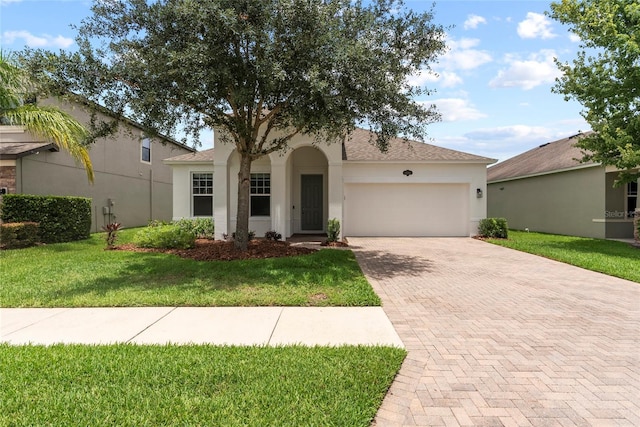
<point>143,148</point>
<point>193,194</point>
<point>263,175</point>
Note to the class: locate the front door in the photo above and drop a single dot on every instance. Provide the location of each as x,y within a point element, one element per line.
<point>311,199</point>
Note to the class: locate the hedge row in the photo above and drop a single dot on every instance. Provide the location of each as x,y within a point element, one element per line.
<point>18,234</point>
<point>60,219</point>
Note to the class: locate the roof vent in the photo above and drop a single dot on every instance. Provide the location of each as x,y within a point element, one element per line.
<point>544,145</point>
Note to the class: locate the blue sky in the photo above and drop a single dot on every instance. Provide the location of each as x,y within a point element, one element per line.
<point>493,86</point>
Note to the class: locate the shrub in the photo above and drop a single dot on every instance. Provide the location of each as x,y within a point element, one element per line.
<point>164,237</point>
<point>272,235</point>
<point>60,219</point>
<point>112,233</point>
<point>333,230</point>
<point>203,228</point>
<point>18,234</point>
<point>495,228</point>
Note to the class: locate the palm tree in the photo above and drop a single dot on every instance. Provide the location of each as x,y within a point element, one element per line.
<point>47,122</point>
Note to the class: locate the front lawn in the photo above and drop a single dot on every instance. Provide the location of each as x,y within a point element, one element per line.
<point>83,274</point>
<point>605,256</point>
<point>194,385</point>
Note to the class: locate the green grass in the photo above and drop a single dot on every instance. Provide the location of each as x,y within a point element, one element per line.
<point>132,385</point>
<point>83,274</point>
<point>610,257</point>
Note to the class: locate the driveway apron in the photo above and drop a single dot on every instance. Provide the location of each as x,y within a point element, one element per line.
<point>497,337</point>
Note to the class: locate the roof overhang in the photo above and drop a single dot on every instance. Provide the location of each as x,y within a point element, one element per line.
<point>16,150</point>
<point>552,172</point>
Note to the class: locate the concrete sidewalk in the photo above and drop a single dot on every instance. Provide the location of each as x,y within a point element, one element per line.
<point>199,325</point>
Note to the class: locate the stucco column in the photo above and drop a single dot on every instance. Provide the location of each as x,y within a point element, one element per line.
<point>279,199</point>
<point>220,199</point>
<point>336,197</point>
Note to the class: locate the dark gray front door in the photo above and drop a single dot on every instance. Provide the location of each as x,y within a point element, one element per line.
<point>311,202</point>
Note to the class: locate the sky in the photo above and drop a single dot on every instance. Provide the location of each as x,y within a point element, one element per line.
<point>492,88</point>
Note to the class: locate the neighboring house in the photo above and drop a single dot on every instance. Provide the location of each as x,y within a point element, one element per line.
<point>132,185</point>
<point>414,189</point>
<point>548,189</point>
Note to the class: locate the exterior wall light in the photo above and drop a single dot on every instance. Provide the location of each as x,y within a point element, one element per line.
<point>407,172</point>
<point>479,193</point>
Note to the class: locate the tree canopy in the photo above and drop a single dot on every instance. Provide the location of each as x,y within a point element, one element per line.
<point>261,70</point>
<point>605,78</point>
<point>51,123</point>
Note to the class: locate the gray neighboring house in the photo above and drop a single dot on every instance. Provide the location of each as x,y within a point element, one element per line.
<point>132,185</point>
<point>547,189</point>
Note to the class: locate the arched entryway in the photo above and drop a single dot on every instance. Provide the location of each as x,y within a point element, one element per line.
<point>309,172</point>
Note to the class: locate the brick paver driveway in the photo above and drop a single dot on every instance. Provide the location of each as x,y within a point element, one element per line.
<point>501,338</point>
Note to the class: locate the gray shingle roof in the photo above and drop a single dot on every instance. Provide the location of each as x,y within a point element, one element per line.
<point>197,157</point>
<point>551,157</point>
<point>358,148</point>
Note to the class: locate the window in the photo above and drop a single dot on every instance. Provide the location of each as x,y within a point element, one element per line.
<point>260,194</point>
<point>632,198</point>
<point>145,150</point>
<point>202,191</point>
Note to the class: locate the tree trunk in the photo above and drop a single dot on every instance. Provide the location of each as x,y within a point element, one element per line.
<point>242,218</point>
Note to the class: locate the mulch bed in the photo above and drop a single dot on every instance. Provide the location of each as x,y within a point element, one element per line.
<point>220,250</point>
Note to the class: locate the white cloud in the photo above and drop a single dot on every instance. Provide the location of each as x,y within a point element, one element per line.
<point>463,56</point>
<point>574,38</point>
<point>45,40</point>
<point>537,70</point>
<point>446,79</point>
<point>473,21</point>
<point>508,133</point>
<point>3,2</point>
<point>535,26</point>
<point>457,109</point>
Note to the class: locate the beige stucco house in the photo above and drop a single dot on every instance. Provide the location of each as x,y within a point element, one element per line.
<point>132,185</point>
<point>547,189</point>
<point>414,189</point>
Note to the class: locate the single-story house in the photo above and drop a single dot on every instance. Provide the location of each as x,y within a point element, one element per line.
<point>547,189</point>
<point>414,189</point>
<point>132,185</point>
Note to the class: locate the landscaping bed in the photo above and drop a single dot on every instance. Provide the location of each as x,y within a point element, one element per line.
<point>221,250</point>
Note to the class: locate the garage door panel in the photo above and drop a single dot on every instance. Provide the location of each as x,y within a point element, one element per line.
<point>406,210</point>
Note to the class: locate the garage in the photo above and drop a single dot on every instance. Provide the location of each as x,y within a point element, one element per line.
<point>406,210</point>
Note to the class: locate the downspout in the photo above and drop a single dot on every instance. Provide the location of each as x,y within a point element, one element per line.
<point>151,195</point>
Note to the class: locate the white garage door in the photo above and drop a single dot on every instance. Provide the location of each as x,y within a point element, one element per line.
<point>406,210</point>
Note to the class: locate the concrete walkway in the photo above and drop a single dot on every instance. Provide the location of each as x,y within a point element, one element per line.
<point>497,337</point>
<point>212,325</point>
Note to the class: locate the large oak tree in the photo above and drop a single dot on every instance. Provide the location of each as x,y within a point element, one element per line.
<point>262,71</point>
<point>605,78</point>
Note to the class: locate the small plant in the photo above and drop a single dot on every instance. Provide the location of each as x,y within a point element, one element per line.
<point>111,231</point>
<point>164,237</point>
<point>493,228</point>
<point>272,235</point>
<point>203,228</point>
<point>157,223</point>
<point>333,230</point>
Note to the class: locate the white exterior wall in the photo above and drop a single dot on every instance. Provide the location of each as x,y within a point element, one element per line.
<point>285,169</point>
<point>324,159</point>
<point>470,174</point>
<point>182,197</point>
